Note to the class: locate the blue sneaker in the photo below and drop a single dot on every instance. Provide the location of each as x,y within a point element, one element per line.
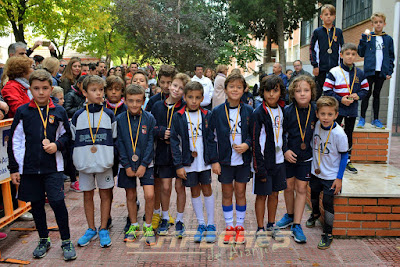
<point>105,240</point>
<point>298,234</point>
<point>285,221</point>
<point>163,228</point>
<point>378,124</point>
<point>211,234</point>
<point>361,123</point>
<point>200,233</point>
<point>179,229</point>
<point>89,235</point>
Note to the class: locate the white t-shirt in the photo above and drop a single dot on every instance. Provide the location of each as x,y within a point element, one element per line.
<point>277,120</point>
<point>236,158</point>
<point>198,164</point>
<point>379,52</point>
<point>208,88</point>
<point>330,159</point>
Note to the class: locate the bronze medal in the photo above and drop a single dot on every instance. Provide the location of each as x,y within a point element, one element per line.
<point>303,146</point>
<point>329,50</point>
<point>277,148</point>
<point>349,98</point>
<point>194,154</point>
<point>135,158</point>
<point>317,171</point>
<point>45,142</point>
<point>93,149</point>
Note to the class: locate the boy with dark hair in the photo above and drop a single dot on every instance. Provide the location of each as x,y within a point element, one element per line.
<point>378,51</point>
<point>136,150</point>
<point>193,150</point>
<point>231,120</point>
<point>93,132</point>
<point>328,165</point>
<point>36,163</point>
<point>326,42</point>
<point>347,84</point>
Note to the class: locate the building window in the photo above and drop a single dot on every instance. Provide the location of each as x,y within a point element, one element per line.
<point>355,11</point>
<point>306,32</point>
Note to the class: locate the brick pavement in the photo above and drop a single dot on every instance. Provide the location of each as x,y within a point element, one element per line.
<point>172,252</point>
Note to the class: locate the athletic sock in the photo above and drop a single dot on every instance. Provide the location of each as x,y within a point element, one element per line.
<point>228,215</point>
<point>157,212</point>
<point>165,215</point>
<point>209,202</point>
<point>270,224</point>
<point>240,215</point>
<point>147,225</point>
<point>198,209</point>
<point>135,224</point>
<point>179,217</point>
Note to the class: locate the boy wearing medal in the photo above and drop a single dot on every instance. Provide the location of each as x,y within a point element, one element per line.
<point>135,144</point>
<point>269,167</point>
<point>193,152</point>
<point>298,129</point>
<point>325,45</point>
<point>231,121</point>
<point>93,131</point>
<point>328,165</point>
<point>163,112</point>
<point>348,85</point>
<point>39,132</point>
<point>378,51</point>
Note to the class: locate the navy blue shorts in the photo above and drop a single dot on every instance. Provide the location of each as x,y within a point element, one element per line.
<point>274,183</point>
<point>300,170</point>
<point>124,181</point>
<point>35,187</point>
<point>195,178</point>
<point>240,174</point>
<point>318,185</point>
<point>166,172</point>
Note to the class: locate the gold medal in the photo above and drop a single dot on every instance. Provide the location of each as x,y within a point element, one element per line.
<point>134,145</point>
<point>317,171</point>
<point>329,50</point>
<point>303,146</point>
<point>93,149</point>
<point>330,42</point>
<point>135,158</point>
<point>303,135</point>
<point>45,142</point>
<point>194,139</point>
<point>236,124</point>
<point>194,154</point>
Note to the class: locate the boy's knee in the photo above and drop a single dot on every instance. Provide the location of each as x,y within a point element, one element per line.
<point>227,194</point>
<point>149,196</point>
<point>131,195</point>
<point>207,190</point>
<point>261,198</point>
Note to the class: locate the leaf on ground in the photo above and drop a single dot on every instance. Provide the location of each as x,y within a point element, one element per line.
<point>315,264</point>
<point>23,236</point>
<point>24,241</point>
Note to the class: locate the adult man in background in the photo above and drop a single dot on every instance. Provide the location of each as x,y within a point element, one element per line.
<point>207,85</point>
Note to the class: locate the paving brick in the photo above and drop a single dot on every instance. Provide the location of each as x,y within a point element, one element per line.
<point>388,232</point>
<point>339,231</point>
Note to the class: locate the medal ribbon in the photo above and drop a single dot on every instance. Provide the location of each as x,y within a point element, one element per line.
<point>90,127</point>
<point>369,36</point>
<point>278,126</point>
<point>354,79</point>
<point>41,117</point>
<point>229,122</point>
<point>191,128</point>
<point>170,117</point>
<point>137,132</point>
<point>305,127</point>
<point>326,143</point>
<point>333,36</point>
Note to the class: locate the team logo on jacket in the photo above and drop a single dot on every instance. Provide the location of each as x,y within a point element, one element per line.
<point>357,80</point>
<point>51,119</point>
<point>335,38</point>
<point>144,129</point>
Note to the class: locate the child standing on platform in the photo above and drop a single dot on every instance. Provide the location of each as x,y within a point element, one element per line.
<point>328,165</point>
<point>39,131</point>
<point>93,131</point>
<point>298,130</point>
<point>347,84</point>
<point>163,112</point>
<point>193,152</point>
<point>378,52</point>
<point>326,42</point>
<point>269,167</point>
<point>135,144</point>
<point>231,121</point>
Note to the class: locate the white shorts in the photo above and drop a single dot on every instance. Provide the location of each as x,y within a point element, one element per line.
<point>104,180</point>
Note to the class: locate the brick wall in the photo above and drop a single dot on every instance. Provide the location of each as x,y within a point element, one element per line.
<point>353,34</point>
<point>364,216</point>
<point>305,54</point>
<point>370,146</point>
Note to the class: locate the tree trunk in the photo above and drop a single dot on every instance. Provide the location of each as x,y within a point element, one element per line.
<point>18,31</point>
<point>281,37</point>
<point>268,50</point>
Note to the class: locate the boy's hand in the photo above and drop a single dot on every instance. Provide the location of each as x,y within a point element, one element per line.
<point>315,71</point>
<point>50,148</point>
<point>15,178</point>
<point>345,101</point>
<point>1,115</point>
<point>181,173</point>
<point>167,134</point>
<point>241,148</point>
<point>216,168</point>
<point>290,156</point>
<point>4,107</point>
<point>140,171</point>
<point>388,77</point>
<point>130,172</point>
<point>337,186</point>
<point>354,96</point>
